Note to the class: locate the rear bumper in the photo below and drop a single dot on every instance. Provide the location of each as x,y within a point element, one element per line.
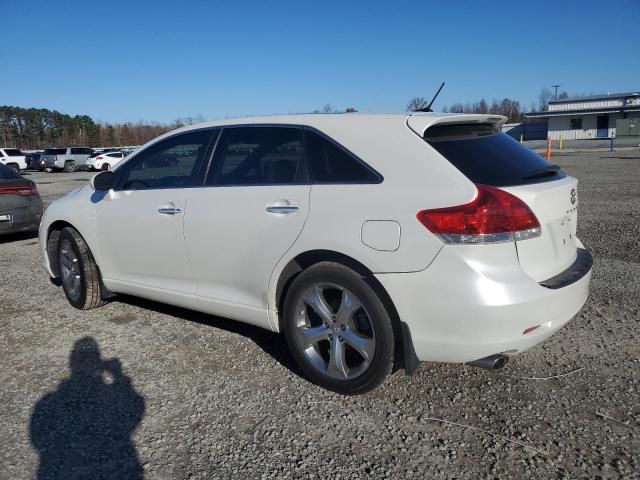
<point>462,307</point>
<point>24,219</point>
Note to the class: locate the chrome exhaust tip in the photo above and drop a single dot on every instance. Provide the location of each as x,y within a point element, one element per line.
<point>492,362</point>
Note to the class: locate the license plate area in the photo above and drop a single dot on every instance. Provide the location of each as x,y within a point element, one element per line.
<point>563,233</point>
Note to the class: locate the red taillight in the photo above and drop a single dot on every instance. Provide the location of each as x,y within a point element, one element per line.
<point>99,157</point>
<point>22,190</point>
<point>493,216</point>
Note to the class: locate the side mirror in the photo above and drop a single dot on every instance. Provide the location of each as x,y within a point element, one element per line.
<point>103,182</point>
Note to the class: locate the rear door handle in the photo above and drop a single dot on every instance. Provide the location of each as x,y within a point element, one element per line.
<point>285,209</point>
<point>169,210</point>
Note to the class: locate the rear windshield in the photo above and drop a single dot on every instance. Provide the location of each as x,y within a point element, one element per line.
<point>55,151</point>
<point>13,152</point>
<point>486,155</point>
<point>7,174</point>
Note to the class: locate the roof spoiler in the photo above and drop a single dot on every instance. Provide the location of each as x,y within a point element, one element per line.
<point>419,123</point>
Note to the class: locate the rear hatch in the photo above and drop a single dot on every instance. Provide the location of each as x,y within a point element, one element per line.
<point>476,146</point>
<point>15,194</point>
<point>50,155</point>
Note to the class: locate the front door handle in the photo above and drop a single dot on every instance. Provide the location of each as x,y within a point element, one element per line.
<point>285,209</point>
<point>169,210</point>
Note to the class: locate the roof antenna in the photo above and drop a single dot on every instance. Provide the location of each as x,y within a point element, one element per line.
<point>428,107</point>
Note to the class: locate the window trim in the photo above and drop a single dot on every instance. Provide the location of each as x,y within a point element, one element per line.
<point>303,171</point>
<point>122,167</point>
<point>378,175</point>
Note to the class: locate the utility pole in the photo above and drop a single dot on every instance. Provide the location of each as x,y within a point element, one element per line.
<point>556,87</point>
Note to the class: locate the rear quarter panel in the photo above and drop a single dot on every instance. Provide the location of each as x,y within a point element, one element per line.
<point>415,178</point>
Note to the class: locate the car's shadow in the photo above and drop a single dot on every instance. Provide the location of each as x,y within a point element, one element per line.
<point>270,342</point>
<point>17,237</point>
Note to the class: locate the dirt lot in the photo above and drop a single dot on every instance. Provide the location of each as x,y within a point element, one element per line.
<point>205,397</point>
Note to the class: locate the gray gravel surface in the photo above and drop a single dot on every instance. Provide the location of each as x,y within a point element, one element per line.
<point>204,397</point>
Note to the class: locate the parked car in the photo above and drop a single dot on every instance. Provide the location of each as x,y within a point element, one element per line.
<point>13,158</point>
<point>35,161</point>
<point>104,161</point>
<point>366,239</point>
<point>20,204</point>
<point>68,159</point>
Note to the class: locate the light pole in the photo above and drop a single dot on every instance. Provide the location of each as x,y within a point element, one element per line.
<point>556,87</point>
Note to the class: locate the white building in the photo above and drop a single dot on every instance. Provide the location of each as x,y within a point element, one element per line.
<point>589,117</point>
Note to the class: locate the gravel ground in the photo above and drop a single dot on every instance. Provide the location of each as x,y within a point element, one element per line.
<point>185,395</point>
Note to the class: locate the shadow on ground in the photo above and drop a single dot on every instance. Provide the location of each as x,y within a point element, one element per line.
<point>83,429</point>
<point>18,237</point>
<point>271,343</point>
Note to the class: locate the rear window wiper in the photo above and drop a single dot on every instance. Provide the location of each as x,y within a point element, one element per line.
<point>542,172</point>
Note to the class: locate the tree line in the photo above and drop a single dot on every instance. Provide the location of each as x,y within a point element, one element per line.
<point>37,128</point>
<point>508,107</point>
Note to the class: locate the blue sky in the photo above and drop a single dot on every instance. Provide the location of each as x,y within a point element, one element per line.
<point>156,61</point>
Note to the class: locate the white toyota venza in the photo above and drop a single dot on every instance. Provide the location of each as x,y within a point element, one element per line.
<point>371,241</point>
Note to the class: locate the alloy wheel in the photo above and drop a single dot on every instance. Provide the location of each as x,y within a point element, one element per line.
<point>334,331</point>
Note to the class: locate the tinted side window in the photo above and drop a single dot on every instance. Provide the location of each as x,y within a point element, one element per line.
<point>76,151</point>
<point>332,164</point>
<point>258,156</point>
<point>485,155</point>
<point>171,163</point>
<point>55,151</point>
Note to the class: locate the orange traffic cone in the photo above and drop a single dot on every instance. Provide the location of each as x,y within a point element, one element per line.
<point>548,156</point>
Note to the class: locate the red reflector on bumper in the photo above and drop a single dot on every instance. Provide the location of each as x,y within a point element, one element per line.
<point>530,329</point>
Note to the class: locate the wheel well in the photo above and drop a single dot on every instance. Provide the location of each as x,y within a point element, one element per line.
<point>307,259</point>
<point>53,235</point>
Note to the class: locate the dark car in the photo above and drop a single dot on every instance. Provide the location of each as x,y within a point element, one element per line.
<point>20,204</point>
<point>35,161</point>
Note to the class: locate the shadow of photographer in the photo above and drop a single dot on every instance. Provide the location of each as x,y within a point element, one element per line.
<point>83,429</point>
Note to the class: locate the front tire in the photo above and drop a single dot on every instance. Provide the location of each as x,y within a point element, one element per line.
<point>78,271</point>
<point>338,330</point>
<point>14,167</point>
<point>70,167</point>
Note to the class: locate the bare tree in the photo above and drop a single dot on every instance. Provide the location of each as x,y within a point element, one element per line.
<point>562,95</point>
<point>482,107</point>
<point>417,103</point>
<point>327,108</point>
<point>543,99</point>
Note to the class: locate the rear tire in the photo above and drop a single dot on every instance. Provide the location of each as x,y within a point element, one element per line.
<point>338,330</point>
<point>14,167</point>
<point>78,271</point>
<point>105,167</point>
<point>70,166</point>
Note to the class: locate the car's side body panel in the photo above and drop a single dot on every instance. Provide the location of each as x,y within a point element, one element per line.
<point>141,248</point>
<point>234,242</point>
